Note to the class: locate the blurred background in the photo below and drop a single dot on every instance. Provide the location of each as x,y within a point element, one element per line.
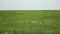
<point>29,4</point>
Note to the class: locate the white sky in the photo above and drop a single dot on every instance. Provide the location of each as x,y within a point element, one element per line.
<point>29,4</point>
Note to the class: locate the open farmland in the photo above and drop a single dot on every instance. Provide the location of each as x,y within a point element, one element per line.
<point>29,21</point>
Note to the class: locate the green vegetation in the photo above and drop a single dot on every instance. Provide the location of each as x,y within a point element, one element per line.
<point>29,21</point>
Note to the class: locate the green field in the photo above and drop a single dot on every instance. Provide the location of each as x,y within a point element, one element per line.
<point>29,21</point>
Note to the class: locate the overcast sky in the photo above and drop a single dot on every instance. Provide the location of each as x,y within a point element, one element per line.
<point>29,4</point>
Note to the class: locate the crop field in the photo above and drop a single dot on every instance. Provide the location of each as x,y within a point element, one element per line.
<point>29,21</point>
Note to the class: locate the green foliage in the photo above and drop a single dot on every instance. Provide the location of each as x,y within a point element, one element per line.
<point>30,21</point>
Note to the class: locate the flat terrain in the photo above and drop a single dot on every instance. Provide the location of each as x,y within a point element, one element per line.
<point>29,21</point>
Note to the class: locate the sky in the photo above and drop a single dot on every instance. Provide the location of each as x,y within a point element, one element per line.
<point>29,4</point>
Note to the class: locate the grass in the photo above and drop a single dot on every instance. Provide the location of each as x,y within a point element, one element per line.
<point>30,21</point>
